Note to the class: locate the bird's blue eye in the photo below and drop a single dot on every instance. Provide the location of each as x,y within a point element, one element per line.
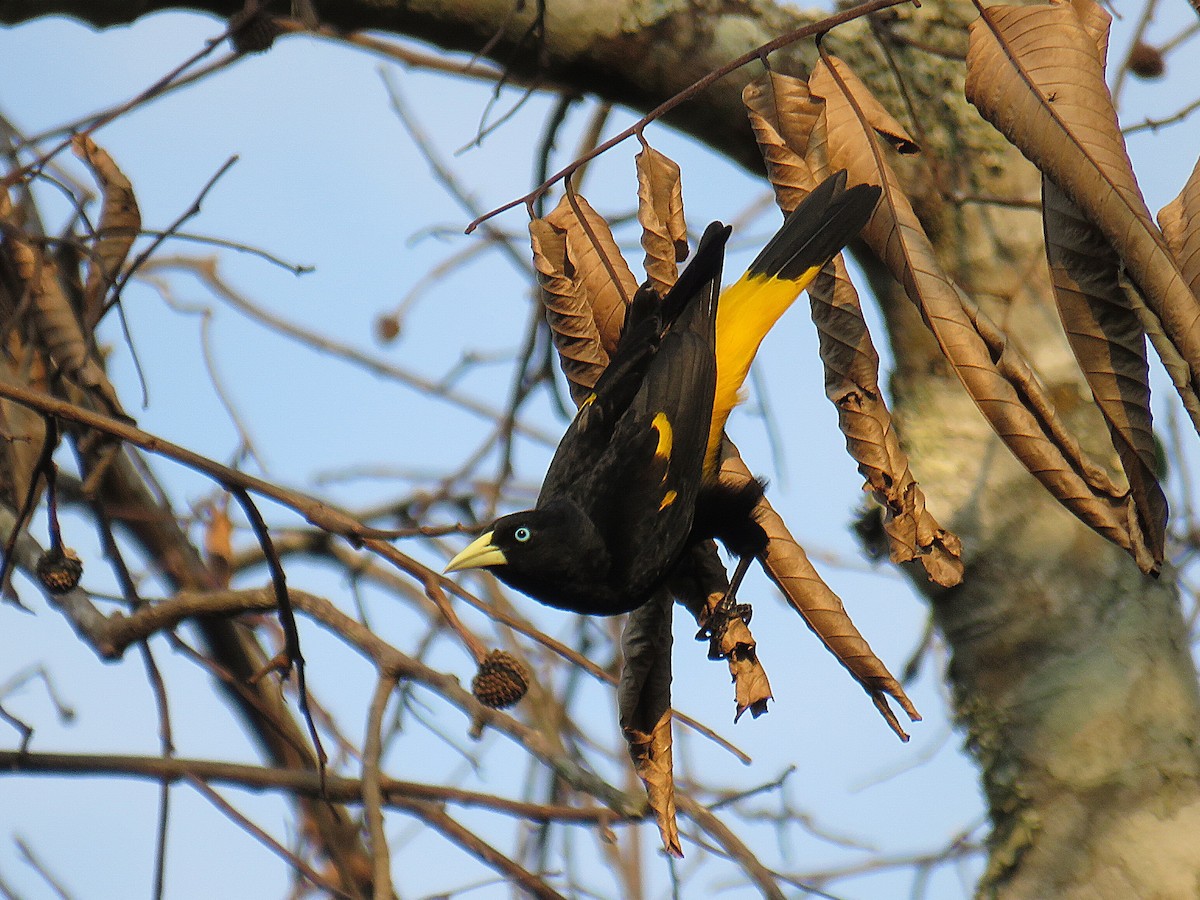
<point>522,534</point>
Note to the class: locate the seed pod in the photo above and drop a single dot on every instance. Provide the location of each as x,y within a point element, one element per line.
<point>501,680</point>
<point>59,570</point>
<point>1146,62</point>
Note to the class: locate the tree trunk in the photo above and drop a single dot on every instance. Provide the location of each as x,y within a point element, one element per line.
<point>1071,672</point>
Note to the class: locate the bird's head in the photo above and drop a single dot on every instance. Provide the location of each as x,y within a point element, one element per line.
<point>512,540</point>
<point>552,553</point>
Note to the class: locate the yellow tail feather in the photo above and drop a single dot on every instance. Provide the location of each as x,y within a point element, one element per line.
<point>747,310</point>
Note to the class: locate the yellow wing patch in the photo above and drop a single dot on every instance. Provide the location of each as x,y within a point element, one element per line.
<point>667,500</point>
<point>666,437</point>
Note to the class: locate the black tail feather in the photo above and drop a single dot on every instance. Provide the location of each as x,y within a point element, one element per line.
<point>818,228</point>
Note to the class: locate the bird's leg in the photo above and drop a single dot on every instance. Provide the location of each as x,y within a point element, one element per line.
<point>725,611</point>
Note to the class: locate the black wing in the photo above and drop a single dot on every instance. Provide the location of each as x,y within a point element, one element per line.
<point>641,494</point>
<point>595,424</point>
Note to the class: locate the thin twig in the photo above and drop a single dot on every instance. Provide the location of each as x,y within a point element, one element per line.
<point>1138,38</point>
<point>856,12</point>
<point>372,794</point>
<point>160,237</point>
<point>265,839</point>
<point>1155,124</point>
<point>157,88</point>
<point>38,866</point>
<point>207,271</point>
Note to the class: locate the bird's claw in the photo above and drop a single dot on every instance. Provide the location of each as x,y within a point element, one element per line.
<point>714,627</point>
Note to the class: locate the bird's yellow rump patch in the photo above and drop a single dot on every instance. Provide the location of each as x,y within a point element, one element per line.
<point>666,437</point>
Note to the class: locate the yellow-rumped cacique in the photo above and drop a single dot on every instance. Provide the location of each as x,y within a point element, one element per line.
<point>634,482</point>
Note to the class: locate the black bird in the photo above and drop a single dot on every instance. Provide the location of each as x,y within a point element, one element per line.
<point>634,483</point>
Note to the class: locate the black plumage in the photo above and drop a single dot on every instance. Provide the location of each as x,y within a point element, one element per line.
<point>633,483</point>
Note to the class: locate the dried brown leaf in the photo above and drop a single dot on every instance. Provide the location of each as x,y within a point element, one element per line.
<point>1035,73</point>
<point>1107,339</point>
<point>1096,22</point>
<point>660,212</point>
<point>788,566</point>
<point>218,540</point>
<point>1180,221</point>
<point>24,429</point>
<point>58,327</point>
<point>567,312</point>
<point>852,385</point>
<point>869,109</point>
<point>786,122</point>
<point>600,272</point>
<point>998,380</point>
<point>644,705</point>
<point>700,584</point>
<point>783,116</point>
<point>120,221</point>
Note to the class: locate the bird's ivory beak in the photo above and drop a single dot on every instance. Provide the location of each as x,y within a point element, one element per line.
<point>480,552</point>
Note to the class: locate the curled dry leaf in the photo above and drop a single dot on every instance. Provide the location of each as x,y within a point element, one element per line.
<point>1110,345</point>
<point>660,213</point>
<point>868,109</point>
<point>997,379</point>
<point>788,566</point>
<point>1096,22</point>
<point>644,705</point>
<point>784,116</point>
<point>218,540</point>
<point>120,221</point>
<point>700,583</point>
<point>1180,221</point>
<point>600,273</point>
<point>852,385</point>
<point>23,428</point>
<point>567,311</point>
<point>1035,73</point>
<point>58,327</point>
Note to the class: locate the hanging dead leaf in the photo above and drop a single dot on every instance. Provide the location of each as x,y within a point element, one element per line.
<point>1107,339</point>
<point>700,584</point>
<point>660,212</point>
<point>21,364</point>
<point>997,379</point>
<point>868,108</point>
<point>218,540</point>
<point>567,313</point>
<point>58,327</point>
<point>644,704</point>
<point>1180,221</point>
<point>783,116</point>
<point>1096,22</point>
<point>1035,74</point>
<point>120,221</point>
<point>788,566</point>
<point>852,385</point>
<point>600,272</point>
